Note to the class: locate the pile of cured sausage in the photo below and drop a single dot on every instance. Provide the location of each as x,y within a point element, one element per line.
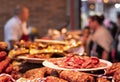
<point>50,75</point>
<point>78,62</point>
<point>5,67</point>
<point>46,74</point>
<point>7,73</point>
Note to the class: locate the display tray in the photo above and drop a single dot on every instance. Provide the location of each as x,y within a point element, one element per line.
<point>31,60</point>
<point>51,65</point>
<point>50,41</point>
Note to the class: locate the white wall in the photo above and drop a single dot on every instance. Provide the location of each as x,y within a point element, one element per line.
<point>111,12</point>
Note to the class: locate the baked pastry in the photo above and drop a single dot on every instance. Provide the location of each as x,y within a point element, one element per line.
<point>17,52</point>
<point>54,79</point>
<point>35,73</point>
<point>46,79</point>
<point>72,76</point>
<point>41,72</point>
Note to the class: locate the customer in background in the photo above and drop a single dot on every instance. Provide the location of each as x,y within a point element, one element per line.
<point>16,28</point>
<point>101,41</point>
<point>86,33</point>
<point>117,38</point>
<point>86,38</point>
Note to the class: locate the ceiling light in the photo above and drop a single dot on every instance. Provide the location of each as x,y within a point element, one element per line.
<point>83,0</point>
<point>117,5</point>
<point>105,1</point>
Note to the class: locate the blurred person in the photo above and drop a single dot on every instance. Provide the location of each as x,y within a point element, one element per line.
<point>113,28</point>
<point>33,33</point>
<point>16,26</point>
<point>118,19</point>
<point>86,38</point>
<point>101,41</point>
<point>55,34</point>
<point>117,38</point>
<point>86,33</point>
<point>118,26</point>
<point>63,33</point>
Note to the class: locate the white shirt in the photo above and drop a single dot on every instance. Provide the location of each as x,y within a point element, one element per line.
<point>14,30</point>
<point>103,38</point>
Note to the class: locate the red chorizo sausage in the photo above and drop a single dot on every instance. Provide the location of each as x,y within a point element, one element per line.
<point>2,55</point>
<point>4,64</point>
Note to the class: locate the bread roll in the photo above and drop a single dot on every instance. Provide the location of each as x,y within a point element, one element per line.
<point>73,76</point>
